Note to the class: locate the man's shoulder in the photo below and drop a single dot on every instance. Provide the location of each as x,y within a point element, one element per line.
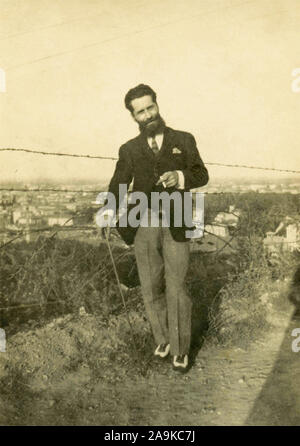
<point>132,142</point>
<point>169,130</point>
<point>180,133</point>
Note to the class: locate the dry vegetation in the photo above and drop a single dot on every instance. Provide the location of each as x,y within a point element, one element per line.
<point>63,313</point>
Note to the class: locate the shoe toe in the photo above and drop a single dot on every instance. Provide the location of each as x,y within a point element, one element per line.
<point>162,351</point>
<point>180,363</point>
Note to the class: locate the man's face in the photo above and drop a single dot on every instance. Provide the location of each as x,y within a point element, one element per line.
<point>146,114</point>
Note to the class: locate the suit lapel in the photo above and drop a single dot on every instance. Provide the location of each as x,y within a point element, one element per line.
<point>144,147</point>
<point>166,148</point>
<point>167,143</point>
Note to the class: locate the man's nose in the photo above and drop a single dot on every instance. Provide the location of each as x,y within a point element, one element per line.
<point>147,114</point>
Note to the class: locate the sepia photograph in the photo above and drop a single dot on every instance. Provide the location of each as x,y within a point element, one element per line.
<point>149,215</point>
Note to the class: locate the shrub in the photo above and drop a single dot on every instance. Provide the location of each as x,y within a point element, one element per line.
<point>52,276</point>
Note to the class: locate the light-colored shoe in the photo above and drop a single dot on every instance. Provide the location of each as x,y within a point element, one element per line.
<point>162,350</point>
<point>180,363</point>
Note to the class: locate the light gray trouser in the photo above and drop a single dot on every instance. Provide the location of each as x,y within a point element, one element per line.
<point>161,259</point>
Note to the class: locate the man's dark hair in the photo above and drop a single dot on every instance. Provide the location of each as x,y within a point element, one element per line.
<point>138,92</point>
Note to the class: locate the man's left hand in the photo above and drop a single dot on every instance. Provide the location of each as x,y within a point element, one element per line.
<point>170,179</point>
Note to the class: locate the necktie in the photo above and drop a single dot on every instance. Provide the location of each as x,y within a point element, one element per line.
<point>154,146</point>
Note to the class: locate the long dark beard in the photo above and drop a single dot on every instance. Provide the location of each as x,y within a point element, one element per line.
<point>159,128</point>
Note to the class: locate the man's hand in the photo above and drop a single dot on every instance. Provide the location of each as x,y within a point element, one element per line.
<point>169,179</point>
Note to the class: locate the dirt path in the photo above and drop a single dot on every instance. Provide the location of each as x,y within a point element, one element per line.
<point>230,386</point>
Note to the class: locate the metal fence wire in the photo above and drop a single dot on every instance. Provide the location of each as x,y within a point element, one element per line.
<point>106,240</point>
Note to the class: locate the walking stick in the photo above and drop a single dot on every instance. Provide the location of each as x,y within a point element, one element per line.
<point>121,293</point>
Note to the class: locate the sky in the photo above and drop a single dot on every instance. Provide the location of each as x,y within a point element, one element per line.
<point>222,70</point>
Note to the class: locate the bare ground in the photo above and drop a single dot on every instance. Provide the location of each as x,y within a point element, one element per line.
<point>48,378</point>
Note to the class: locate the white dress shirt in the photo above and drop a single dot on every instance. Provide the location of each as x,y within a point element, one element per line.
<point>159,141</point>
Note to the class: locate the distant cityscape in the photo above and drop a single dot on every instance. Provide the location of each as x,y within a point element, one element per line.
<point>74,205</point>
<point>263,187</point>
<point>29,211</point>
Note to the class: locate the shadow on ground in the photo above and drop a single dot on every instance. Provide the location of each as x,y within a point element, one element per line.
<point>279,401</point>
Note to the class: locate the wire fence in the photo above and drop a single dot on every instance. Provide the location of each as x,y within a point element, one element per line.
<point>54,231</point>
<point>75,155</point>
<point>89,191</point>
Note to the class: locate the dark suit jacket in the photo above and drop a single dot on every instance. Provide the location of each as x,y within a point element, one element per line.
<point>138,163</point>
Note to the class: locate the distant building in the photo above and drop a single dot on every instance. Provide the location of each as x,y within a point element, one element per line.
<point>4,219</point>
<point>24,221</point>
<point>217,234</point>
<point>71,206</point>
<point>229,218</point>
<point>16,216</point>
<point>218,230</point>
<point>286,237</point>
<point>275,244</point>
<point>293,236</point>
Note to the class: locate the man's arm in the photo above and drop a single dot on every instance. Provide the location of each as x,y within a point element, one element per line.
<point>123,174</point>
<point>195,174</point>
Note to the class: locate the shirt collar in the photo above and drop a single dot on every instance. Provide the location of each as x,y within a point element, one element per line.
<point>158,138</point>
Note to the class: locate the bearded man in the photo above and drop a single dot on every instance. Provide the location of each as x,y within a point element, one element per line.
<point>160,159</point>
